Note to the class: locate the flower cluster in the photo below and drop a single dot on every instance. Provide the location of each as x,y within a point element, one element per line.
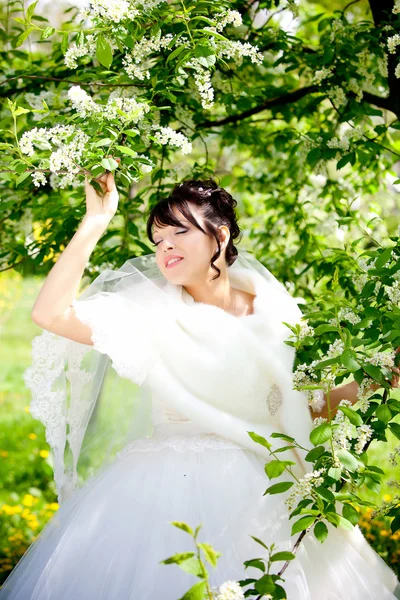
<point>383,359</point>
<point>87,46</point>
<point>393,456</point>
<point>346,314</point>
<point>166,135</point>
<point>363,394</point>
<point>202,77</point>
<point>230,590</point>
<point>335,349</point>
<point>322,74</point>
<point>396,8</point>
<point>70,145</point>
<point>87,107</point>
<point>364,434</point>
<point>230,16</point>
<point>142,50</point>
<point>305,330</point>
<point>393,291</point>
<point>338,96</point>
<point>113,11</point>
<point>393,42</point>
<point>304,487</point>
<point>236,50</point>
<point>344,432</point>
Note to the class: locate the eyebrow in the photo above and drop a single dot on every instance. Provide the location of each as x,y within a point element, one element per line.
<point>155,229</point>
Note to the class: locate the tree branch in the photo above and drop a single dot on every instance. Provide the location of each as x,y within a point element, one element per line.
<point>270,103</point>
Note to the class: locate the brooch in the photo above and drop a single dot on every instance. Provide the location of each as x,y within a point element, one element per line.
<point>274,399</point>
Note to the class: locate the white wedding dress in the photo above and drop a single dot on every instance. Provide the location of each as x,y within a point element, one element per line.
<point>200,466</point>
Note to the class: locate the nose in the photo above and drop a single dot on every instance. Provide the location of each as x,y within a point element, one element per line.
<point>168,244</point>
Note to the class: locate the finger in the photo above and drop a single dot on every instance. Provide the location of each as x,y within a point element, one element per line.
<point>110,182</point>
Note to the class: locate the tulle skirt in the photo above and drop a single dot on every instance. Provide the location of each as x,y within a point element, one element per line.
<point>107,540</point>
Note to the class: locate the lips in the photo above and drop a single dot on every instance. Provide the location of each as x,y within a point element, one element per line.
<point>176,262</point>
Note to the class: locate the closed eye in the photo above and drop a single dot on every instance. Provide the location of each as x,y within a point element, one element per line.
<point>177,233</point>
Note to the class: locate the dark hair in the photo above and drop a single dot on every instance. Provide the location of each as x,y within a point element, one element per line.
<point>218,209</point>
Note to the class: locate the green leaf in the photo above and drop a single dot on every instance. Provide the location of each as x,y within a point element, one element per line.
<point>175,53</point>
<point>383,413</point>
<point>256,539</point>
<point>395,524</point>
<point>177,558</point>
<point>277,467</point>
<point>21,111</point>
<point>395,429</point>
<point>256,563</point>
<point>321,434</point>
<point>22,178</point>
<point>24,35</point>
<point>259,439</point>
<point>182,525</point>
<point>132,132</point>
<point>109,164</point>
<point>383,258</point>
<point>196,592</point>
<point>282,556</point>
<point>48,31</point>
<point>64,42</point>
<point>278,488</point>
<point>210,553</point>
<point>352,415</point>
<point>104,52</point>
<point>302,524</point>
<point>314,454</point>
<point>321,531</point>
<point>345,524</point>
<point>348,460</point>
<point>103,142</point>
<point>283,436</point>
<point>126,150</point>
<point>350,513</point>
<point>349,360</point>
<point>31,10</point>
<point>265,585</point>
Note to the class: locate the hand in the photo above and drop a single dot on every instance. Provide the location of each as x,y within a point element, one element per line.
<point>105,206</point>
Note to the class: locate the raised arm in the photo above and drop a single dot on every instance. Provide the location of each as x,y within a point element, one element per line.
<point>52,309</point>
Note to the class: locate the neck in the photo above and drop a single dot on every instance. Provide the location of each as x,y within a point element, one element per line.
<point>218,292</point>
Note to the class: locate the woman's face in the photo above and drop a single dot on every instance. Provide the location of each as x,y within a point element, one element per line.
<point>194,248</point>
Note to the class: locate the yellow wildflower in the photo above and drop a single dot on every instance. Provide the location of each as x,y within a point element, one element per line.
<point>27,409</point>
<point>53,506</point>
<point>387,497</point>
<point>32,436</point>
<point>3,453</point>
<point>44,453</point>
<point>25,513</point>
<point>28,500</point>
<point>384,532</point>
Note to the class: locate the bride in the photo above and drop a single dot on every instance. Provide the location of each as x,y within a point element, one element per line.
<point>195,336</point>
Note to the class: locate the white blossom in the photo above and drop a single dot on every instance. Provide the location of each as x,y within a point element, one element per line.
<point>383,359</point>
<point>338,96</point>
<point>230,590</point>
<point>335,349</point>
<point>322,74</point>
<point>74,52</point>
<point>39,178</point>
<point>393,42</point>
<point>305,330</point>
<point>166,135</point>
<point>304,487</point>
<point>87,107</point>
<point>316,400</point>
<point>393,291</point>
<point>363,394</point>
<point>346,314</point>
<point>230,16</point>
<point>396,7</point>
<point>142,50</point>
<point>202,77</point>
<point>364,434</point>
